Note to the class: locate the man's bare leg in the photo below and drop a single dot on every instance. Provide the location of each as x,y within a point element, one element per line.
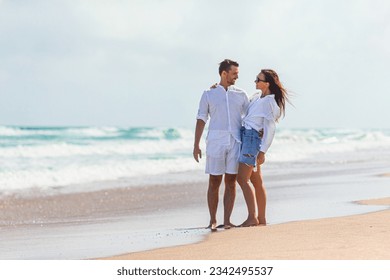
<point>212,199</point>
<point>261,196</point>
<point>244,174</point>
<point>229,198</point>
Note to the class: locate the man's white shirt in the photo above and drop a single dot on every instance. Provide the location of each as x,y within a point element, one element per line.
<point>225,110</point>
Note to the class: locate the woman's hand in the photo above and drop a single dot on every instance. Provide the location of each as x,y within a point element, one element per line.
<point>260,158</point>
<point>214,86</point>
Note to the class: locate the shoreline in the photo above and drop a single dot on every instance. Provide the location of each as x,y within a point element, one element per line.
<point>94,224</point>
<point>356,237</point>
<point>116,221</point>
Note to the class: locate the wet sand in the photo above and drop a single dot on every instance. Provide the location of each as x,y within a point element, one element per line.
<point>358,237</point>
<point>122,220</point>
<point>93,224</point>
<point>40,208</point>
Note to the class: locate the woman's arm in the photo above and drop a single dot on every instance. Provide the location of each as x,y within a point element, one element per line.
<point>268,136</point>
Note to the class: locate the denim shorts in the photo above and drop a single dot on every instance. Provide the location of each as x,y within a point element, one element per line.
<point>250,146</point>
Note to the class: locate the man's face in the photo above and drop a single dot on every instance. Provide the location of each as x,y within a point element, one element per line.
<point>232,75</point>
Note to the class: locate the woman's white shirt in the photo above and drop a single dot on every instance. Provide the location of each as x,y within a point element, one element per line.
<point>262,114</point>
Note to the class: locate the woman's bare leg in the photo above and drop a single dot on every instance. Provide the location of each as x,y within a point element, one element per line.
<point>261,195</point>
<point>244,174</point>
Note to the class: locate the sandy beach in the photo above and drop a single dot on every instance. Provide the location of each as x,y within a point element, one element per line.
<point>358,237</point>
<point>311,215</point>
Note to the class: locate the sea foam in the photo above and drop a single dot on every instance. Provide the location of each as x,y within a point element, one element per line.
<point>48,157</point>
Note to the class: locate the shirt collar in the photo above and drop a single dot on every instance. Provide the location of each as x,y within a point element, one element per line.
<point>228,88</point>
<point>255,97</point>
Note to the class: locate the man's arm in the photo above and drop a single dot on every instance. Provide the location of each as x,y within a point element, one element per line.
<point>200,124</point>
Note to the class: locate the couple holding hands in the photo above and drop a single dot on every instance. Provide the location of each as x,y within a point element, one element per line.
<point>239,134</point>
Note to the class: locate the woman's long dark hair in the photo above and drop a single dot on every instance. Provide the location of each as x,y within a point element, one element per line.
<point>276,88</point>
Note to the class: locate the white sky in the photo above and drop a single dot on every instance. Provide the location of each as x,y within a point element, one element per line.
<point>147,62</point>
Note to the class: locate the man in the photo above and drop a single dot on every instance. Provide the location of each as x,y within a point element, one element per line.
<point>225,105</point>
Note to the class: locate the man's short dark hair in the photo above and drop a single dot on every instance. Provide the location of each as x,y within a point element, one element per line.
<point>226,65</point>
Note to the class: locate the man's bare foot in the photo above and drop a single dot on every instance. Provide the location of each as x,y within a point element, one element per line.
<point>212,226</point>
<point>250,223</point>
<point>229,226</point>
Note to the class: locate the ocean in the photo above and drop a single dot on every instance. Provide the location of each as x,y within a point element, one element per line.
<point>88,158</point>
<point>308,173</point>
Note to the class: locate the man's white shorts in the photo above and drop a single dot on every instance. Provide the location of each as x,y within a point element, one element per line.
<point>222,158</point>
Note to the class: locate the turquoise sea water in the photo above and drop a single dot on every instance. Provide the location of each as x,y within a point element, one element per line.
<point>309,174</point>
<point>48,157</point>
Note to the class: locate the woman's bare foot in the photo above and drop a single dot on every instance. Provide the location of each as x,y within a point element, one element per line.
<point>262,221</point>
<point>250,223</point>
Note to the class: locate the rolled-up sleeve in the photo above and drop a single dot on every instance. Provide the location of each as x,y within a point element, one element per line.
<point>203,111</point>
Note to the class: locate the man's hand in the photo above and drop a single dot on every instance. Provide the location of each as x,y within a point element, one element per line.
<point>197,153</point>
<point>200,124</point>
<point>260,158</point>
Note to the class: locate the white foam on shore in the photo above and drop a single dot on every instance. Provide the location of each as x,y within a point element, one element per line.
<point>95,155</point>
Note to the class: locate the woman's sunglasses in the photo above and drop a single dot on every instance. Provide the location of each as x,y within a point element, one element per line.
<point>259,80</point>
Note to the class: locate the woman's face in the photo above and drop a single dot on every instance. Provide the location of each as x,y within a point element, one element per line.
<point>261,83</point>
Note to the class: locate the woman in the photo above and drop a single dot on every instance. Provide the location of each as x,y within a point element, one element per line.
<point>257,134</point>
